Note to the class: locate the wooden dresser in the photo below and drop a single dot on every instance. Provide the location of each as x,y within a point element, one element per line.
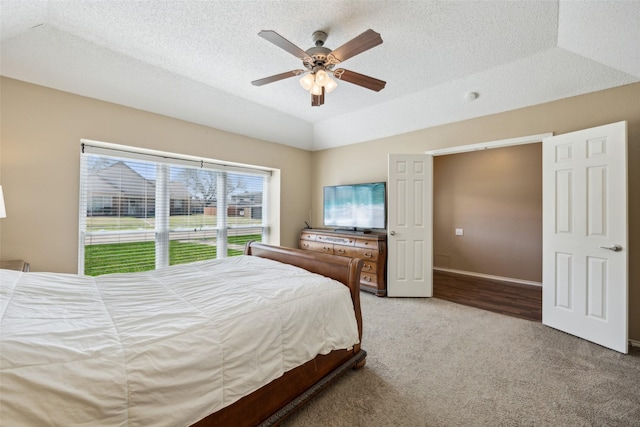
<point>370,247</point>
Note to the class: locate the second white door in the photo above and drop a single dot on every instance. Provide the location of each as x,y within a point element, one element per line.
<point>584,265</point>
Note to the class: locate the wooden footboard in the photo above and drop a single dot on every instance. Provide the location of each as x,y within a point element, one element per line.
<point>271,404</point>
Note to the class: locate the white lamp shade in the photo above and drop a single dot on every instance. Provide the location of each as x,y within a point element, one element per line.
<point>321,77</point>
<point>330,85</point>
<point>3,212</point>
<point>316,89</point>
<point>307,81</point>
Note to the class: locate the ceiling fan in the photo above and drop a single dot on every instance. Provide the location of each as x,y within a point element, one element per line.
<point>320,61</point>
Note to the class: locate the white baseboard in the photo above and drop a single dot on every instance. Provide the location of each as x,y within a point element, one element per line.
<point>634,343</point>
<point>488,276</point>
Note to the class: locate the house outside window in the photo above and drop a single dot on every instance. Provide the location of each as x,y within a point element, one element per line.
<point>139,212</point>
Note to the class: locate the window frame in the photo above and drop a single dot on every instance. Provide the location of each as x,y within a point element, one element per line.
<point>163,160</point>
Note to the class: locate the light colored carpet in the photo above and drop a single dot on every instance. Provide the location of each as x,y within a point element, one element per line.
<point>436,363</point>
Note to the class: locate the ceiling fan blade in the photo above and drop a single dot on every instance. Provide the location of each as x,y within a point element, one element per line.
<point>283,43</point>
<point>359,79</point>
<point>277,77</point>
<point>364,41</point>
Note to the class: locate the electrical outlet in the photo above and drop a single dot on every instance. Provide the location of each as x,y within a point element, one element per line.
<point>459,232</point>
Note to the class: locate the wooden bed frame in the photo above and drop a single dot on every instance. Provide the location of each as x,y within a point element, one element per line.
<point>271,404</point>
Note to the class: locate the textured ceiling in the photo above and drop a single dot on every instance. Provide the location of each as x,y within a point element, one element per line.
<point>194,60</point>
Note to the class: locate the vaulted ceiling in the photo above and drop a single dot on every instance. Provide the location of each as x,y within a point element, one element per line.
<point>195,60</point>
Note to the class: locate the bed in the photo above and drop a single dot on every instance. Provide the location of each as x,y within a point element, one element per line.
<point>242,341</point>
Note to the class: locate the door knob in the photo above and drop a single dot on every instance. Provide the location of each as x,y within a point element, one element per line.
<point>614,248</point>
<point>393,233</point>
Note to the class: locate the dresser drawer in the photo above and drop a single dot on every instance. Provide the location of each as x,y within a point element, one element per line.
<point>370,279</point>
<point>369,267</point>
<point>308,236</point>
<point>364,254</point>
<point>338,240</point>
<point>367,244</point>
<point>327,248</point>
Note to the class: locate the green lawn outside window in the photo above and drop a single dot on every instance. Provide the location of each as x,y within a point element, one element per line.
<point>140,256</point>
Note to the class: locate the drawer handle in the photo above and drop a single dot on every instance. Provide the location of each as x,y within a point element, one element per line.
<point>306,245</point>
<point>367,267</point>
<point>367,278</point>
<point>341,251</point>
<point>368,254</point>
<point>325,248</point>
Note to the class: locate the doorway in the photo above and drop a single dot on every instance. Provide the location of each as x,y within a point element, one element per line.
<point>487,229</point>
<point>585,234</point>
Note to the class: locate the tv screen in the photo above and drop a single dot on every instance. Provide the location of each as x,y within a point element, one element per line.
<point>356,206</point>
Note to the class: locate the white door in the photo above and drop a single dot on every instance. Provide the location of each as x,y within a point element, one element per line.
<point>584,265</point>
<point>410,235</point>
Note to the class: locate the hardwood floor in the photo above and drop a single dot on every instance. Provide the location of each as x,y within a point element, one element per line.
<point>513,299</point>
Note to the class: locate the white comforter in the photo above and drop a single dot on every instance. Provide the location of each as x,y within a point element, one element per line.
<point>161,348</point>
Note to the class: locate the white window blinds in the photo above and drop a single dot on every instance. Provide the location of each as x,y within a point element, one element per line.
<point>141,210</point>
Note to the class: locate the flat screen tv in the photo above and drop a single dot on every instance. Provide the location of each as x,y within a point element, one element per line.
<point>355,207</point>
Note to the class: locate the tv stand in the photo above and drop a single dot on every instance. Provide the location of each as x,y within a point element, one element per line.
<point>367,245</point>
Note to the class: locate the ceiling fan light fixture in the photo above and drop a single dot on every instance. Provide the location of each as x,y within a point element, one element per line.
<point>321,77</point>
<point>316,89</point>
<point>330,85</point>
<point>307,81</point>
<point>314,82</point>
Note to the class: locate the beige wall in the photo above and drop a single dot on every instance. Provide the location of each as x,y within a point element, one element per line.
<point>368,161</point>
<point>40,159</point>
<point>495,197</point>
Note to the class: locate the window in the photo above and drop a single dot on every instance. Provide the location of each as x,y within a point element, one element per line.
<point>141,210</point>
